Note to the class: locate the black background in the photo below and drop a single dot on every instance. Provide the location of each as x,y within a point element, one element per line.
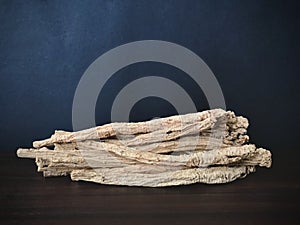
<point>251,46</point>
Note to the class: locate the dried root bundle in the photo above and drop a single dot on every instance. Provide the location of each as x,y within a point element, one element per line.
<point>206,147</point>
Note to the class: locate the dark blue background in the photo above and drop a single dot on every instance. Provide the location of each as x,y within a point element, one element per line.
<point>251,46</point>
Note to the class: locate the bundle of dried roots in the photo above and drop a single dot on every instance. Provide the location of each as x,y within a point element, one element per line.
<point>205,147</point>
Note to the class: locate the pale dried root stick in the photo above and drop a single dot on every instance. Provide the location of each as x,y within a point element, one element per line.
<point>50,159</point>
<point>156,145</point>
<point>111,130</point>
<point>164,135</point>
<point>183,144</point>
<point>224,156</point>
<point>96,156</point>
<point>94,151</point>
<point>211,175</point>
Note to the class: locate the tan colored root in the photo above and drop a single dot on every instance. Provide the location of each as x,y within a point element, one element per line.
<point>124,176</point>
<point>205,147</point>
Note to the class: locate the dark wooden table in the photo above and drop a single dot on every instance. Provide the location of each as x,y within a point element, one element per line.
<point>270,196</point>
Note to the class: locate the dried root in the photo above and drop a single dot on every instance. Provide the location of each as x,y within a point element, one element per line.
<point>206,147</point>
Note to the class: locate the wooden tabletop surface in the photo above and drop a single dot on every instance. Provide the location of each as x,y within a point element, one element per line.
<point>269,196</point>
